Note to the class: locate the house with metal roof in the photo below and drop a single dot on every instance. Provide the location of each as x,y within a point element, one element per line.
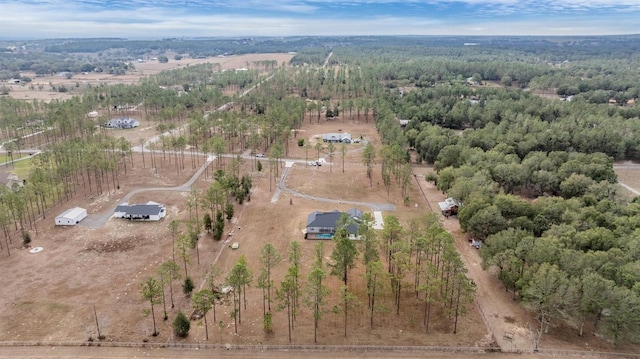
<point>323,225</point>
<point>151,211</point>
<point>122,123</point>
<point>336,137</point>
<point>14,182</point>
<point>449,207</point>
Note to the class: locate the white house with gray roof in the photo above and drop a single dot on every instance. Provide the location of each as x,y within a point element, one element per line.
<point>336,137</point>
<point>151,211</point>
<point>122,123</point>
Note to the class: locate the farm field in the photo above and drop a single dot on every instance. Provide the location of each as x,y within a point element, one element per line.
<point>44,88</point>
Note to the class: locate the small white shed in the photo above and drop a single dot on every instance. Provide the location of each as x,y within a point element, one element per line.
<point>71,217</point>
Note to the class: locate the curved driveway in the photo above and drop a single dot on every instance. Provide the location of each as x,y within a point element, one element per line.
<point>374,206</point>
<point>98,220</point>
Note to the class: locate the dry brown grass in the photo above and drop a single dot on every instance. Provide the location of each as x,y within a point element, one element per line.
<point>81,267</point>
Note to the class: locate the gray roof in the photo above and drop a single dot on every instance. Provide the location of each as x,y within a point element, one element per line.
<point>336,136</point>
<point>329,219</point>
<point>354,213</point>
<point>140,209</point>
<point>123,122</point>
<point>448,204</point>
<point>323,219</point>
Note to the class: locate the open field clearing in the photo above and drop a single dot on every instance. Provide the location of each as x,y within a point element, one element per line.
<point>45,88</point>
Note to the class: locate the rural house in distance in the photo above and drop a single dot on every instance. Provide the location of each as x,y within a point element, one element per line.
<point>323,225</point>
<point>336,137</point>
<point>449,207</point>
<point>14,182</point>
<point>122,123</point>
<point>151,211</point>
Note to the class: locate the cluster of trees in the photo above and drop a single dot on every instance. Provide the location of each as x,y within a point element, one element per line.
<point>450,114</point>
<point>551,251</point>
<point>585,246</point>
<point>217,199</point>
<point>193,47</point>
<point>571,253</point>
<point>11,64</point>
<point>58,173</point>
<point>420,262</point>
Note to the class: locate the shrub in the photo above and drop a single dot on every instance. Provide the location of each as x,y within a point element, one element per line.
<point>301,142</point>
<point>267,323</point>
<point>181,325</point>
<point>208,222</point>
<point>228,210</point>
<point>431,177</point>
<point>187,286</point>
<point>26,238</point>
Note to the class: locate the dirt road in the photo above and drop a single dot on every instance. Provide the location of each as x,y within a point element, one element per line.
<point>506,321</point>
<point>172,353</point>
<point>98,220</point>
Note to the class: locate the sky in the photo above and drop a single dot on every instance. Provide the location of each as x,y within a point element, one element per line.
<point>138,19</point>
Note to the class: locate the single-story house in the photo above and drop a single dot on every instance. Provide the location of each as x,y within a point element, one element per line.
<point>449,207</point>
<point>151,211</point>
<point>336,137</point>
<point>122,123</point>
<point>14,182</point>
<point>323,225</point>
<point>71,217</point>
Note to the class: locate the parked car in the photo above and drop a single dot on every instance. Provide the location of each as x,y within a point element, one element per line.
<point>260,155</point>
<point>357,140</point>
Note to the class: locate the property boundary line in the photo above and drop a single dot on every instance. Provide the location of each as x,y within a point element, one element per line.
<point>319,348</point>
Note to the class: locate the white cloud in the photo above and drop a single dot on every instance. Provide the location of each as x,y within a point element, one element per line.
<point>148,18</point>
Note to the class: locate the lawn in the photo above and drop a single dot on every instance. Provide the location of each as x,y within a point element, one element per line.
<point>19,168</point>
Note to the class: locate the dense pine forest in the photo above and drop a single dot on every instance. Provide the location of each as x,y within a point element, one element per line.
<point>524,131</point>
